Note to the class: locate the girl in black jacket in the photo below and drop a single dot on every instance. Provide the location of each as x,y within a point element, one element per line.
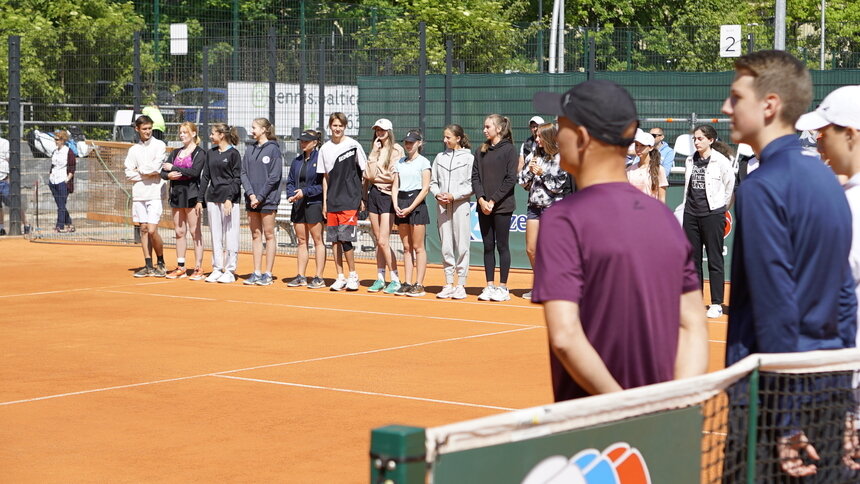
<point>221,185</point>
<point>494,176</point>
<point>182,168</point>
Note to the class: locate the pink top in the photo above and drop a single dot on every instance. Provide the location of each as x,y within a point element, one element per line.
<point>640,178</point>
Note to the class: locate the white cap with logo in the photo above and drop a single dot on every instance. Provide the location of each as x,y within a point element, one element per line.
<point>536,119</point>
<point>384,124</point>
<point>841,107</point>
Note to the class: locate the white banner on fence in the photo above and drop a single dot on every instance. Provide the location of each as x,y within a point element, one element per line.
<point>249,100</point>
<point>179,39</point>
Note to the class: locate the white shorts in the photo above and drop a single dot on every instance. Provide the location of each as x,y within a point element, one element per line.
<point>146,212</point>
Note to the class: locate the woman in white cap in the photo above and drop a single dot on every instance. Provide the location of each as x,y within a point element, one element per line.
<point>530,144</point>
<point>647,175</point>
<point>381,162</point>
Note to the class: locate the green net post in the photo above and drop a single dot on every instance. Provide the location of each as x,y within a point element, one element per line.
<point>397,455</point>
<point>752,426</point>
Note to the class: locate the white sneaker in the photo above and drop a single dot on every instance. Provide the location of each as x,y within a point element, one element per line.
<point>352,282</point>
<point>527,296</point>
<point>338,284</point>
<point>501,294</point>
<point>459,292</point>
<point>227,278</point>
<point>487,293</point>
<point>216,274</point>
<point>715,311</point>
<point>446,292</point>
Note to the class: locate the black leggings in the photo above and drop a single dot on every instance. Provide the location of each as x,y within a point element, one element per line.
<point>708,230</point>
<point>495,230</point>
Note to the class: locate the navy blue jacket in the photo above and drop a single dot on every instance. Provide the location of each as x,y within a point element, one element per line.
<point>312,188</point>
<point>262,168</point>
<point>791,287</point>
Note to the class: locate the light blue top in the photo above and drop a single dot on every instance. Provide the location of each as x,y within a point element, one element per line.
<point>410,172</point>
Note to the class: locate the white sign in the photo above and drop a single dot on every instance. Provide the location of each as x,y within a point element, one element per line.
<point>178,39</point>
<point>730,40</point>
<point>249,100</point>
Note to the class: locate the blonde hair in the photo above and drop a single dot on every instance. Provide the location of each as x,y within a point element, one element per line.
<point>503,124</point>
<point>268,126</point>
<point>192,128</point>
<point>387,150</point>
<point>61,134</point>
<point>549,139</point>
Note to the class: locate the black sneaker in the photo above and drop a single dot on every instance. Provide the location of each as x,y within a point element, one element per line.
<point>416,291</point>
<point>2,231</point>
<point>145,272</point>
<point>404,289</point>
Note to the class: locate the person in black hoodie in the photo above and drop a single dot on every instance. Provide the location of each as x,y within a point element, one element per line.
<point>262,168</point>
<point>221,183</point>
<point>494,176</point>
<point>305,192</point>
<point>182,168</point>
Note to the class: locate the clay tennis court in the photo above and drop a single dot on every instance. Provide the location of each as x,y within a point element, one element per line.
<point>107,378</point>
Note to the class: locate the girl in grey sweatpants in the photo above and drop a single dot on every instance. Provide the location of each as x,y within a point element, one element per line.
<point>451,184</point>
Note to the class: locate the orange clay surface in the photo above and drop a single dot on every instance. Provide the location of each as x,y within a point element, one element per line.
<point>107,378</point>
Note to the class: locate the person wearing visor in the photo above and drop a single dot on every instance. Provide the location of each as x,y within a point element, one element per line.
<point>617,318</point>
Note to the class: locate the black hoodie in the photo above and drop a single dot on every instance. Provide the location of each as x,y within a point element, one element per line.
<point>494,176</point>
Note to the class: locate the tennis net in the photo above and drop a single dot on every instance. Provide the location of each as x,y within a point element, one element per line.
<point>730,426</point>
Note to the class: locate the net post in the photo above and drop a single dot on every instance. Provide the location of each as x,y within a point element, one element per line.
<point>752,424</point>
<point>397,455</point>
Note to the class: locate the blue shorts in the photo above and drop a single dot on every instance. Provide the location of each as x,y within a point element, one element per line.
<point>4,193</point>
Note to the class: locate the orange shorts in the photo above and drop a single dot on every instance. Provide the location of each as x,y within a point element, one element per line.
<point>346,217</point>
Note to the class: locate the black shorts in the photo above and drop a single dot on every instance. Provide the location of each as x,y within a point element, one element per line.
<point>419,216</point>
<point>304,213</point>
<point>378,202</point>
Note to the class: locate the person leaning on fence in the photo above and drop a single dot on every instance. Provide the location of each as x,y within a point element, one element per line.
<point>182,168</point>
<point>381,162</point>
<point>494,175</point>
<point>143,167</point>
<point>647,175</point>
<point>617,318</point>
<point>792,289</point>
<point>304,191</point>
<point>546,183</point>
<point>530,144</point>
<point>342,162</point>
<point>667,154</point>
<point>451,184</point>
<point>221,188</point>
<point>262,169</point>
<point>4,180</point>
<point>411,186</point>
<point>61,180</point>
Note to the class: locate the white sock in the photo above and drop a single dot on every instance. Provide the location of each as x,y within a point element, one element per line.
<point>353,274</point>
<point>341,276</point>
<point>380,274</point>
<point>180,261</point>
<point>394,276</point>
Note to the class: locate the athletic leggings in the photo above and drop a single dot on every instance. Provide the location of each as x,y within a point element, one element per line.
<point>495,230</point>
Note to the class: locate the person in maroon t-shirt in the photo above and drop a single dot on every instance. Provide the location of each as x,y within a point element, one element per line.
<point>613,269</point>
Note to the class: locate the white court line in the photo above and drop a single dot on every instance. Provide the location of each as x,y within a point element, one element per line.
<point>160,295</point>
<point>363,392</point>
<point>61,291</point>
<point>286,363</point>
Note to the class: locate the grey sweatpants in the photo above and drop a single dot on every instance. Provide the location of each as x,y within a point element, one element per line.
<point>454,231</point>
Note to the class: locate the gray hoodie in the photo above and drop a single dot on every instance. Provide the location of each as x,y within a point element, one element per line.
<point>452,173</point>
<point>262,168</point>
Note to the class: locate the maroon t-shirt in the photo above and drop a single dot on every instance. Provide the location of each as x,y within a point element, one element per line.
<point>622,256</point>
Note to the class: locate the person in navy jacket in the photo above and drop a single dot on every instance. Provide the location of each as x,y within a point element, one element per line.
<point>305,192</point>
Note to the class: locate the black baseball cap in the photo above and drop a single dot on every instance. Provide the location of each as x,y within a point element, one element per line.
<point>413,135</point>
<point>602,107</point>
<point>309,135</point>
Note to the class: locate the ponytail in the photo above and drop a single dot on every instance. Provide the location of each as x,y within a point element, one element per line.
<point>503,124</point>
<point>268,126</point>
<point>230,133</point>
<point>457,131</point>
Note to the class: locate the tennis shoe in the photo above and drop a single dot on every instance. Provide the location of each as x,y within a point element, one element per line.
<point>214,276</point>
<point>715,311</point>
<point>316,283</point>
<point>227,278</point>
<point>459,292</point>
<point>352,282</point>
<point>487,293</point>
<point>252,280</point>
<point>145,272</point>
<point>159,271</point>
<point>197,275</point>
<point>264,280</point>
<point>404,289</point>
<point>338,284</point>
<point>377,286</point>
<point>392,287</point>
<point>527,296</point>
<point>416,291</point>
<point>177,273</point>
<point>300,280</point>
<point>446,292</point>
<point>500,294</point>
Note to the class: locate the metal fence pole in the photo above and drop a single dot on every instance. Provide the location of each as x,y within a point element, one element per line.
<point>137,69</point>
<point>422,76</point>
<point>750,43</point>
<point>272,75</point>
<point>204,130</point>
<point>234,58</point>
<point>449,80</point>
<point>591,64</point>
<point>15,134</point>
<point>303,73</point>
<point>321,100</point>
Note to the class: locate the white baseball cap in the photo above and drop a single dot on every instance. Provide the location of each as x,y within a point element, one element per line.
<point>644,138</point>
<point>841,107</point>
<point>384,124</point>
<point>537,119</point>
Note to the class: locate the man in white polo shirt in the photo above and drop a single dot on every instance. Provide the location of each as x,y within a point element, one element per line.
<point>143,167</point>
